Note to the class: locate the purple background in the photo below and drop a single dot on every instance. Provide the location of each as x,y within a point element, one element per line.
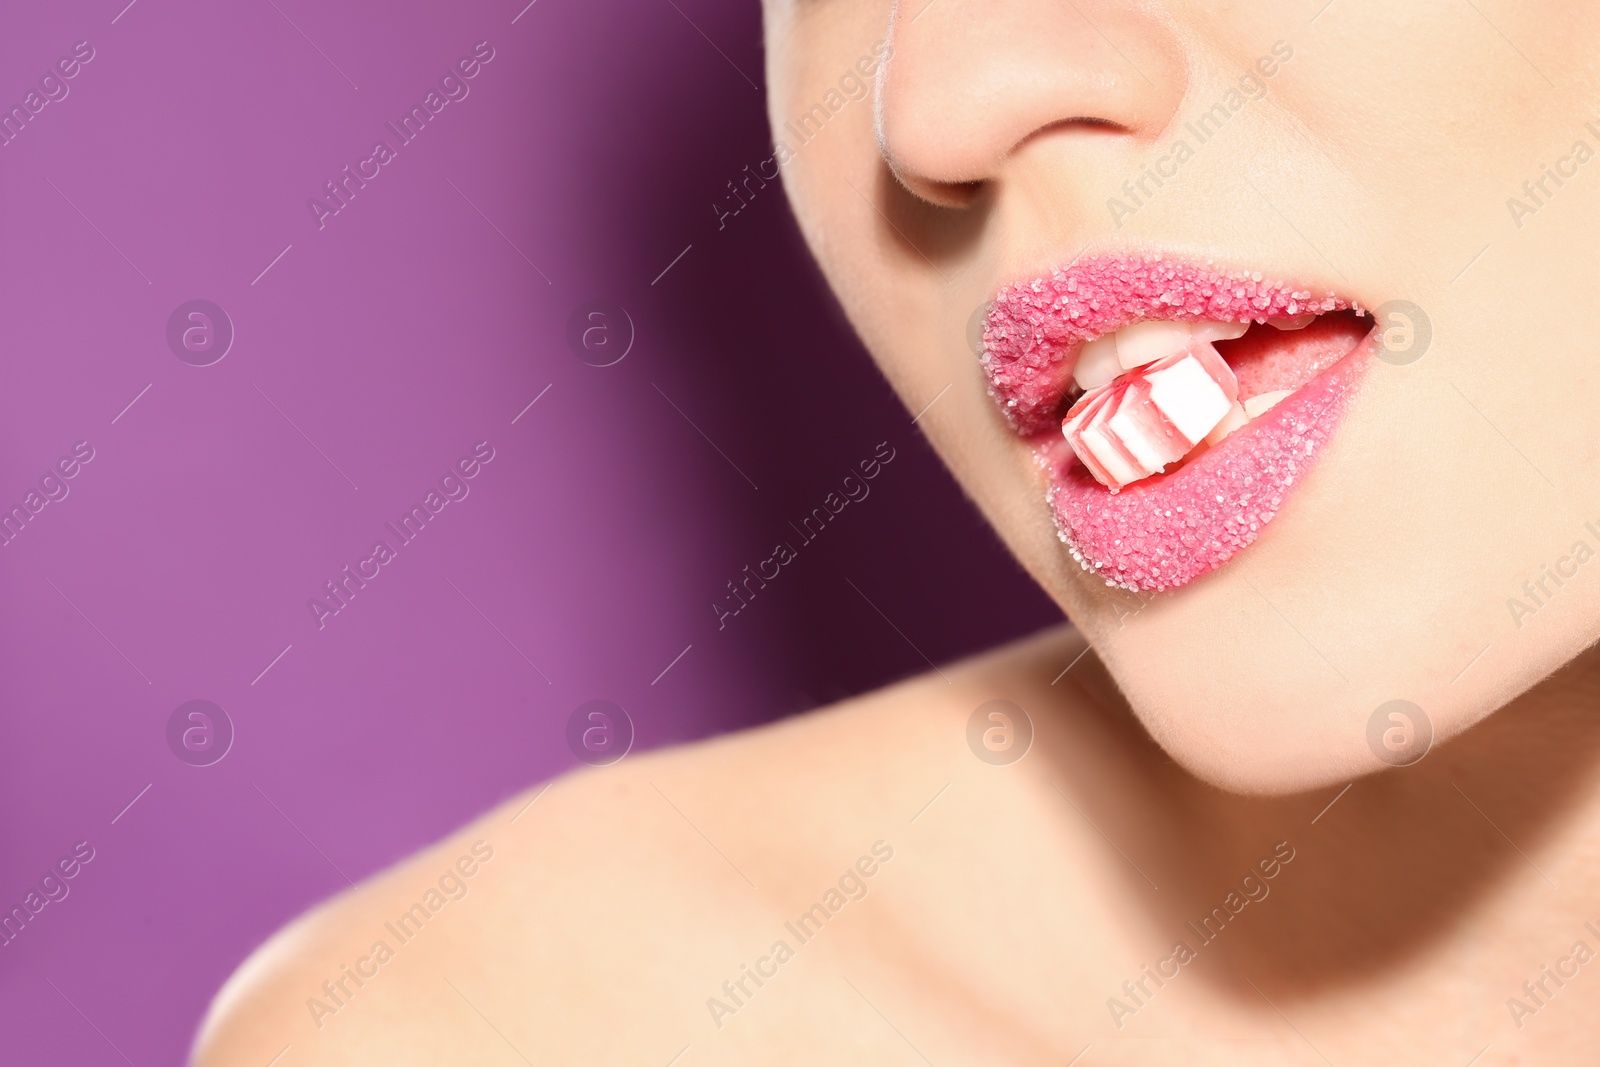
<point>393,339</point>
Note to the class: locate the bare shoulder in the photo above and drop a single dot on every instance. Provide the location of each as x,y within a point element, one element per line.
<point>594,918</point>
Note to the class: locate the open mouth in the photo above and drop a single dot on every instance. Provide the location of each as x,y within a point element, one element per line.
<point>1174,405</point>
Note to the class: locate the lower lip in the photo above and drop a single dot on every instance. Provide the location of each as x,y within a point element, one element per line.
<point>1166,531</point>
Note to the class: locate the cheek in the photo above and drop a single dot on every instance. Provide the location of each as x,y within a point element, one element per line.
<point>883,253</point>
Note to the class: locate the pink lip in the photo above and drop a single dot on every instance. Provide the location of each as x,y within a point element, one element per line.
<point>1166,531</point>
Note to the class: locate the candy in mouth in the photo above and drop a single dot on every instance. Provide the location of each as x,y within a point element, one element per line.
<point>1174,406</point>
<point>1155,393</point>
<point>1040,335</point>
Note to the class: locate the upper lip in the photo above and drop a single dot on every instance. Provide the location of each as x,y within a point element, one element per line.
<point>1034,328</point>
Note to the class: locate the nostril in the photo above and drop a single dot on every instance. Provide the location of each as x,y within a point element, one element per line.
<point>940,194</point>
<point>969,82</point>
<point>949,193</point>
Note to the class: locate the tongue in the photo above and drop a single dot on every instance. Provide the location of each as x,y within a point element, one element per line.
<point>1269,360</point>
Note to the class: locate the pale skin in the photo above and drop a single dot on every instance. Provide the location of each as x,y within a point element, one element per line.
<point>1204,732</point>
<point>1005,920</point>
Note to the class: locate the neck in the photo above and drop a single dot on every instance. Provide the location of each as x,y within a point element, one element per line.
<point>1496,827</point>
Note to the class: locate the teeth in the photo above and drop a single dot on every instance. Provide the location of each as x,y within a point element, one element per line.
<point>1240,414</point>
<point>1154,391</point>
<point>1145,342</point>
<point>1262,403</point>
<point>1142,343</point>
<point>1218,331</point>
<point>1235,418</point>
<point>1137,424</point>
<point>1097,363</point>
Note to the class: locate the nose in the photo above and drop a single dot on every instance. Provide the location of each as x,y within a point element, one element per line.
<point>970,82</point>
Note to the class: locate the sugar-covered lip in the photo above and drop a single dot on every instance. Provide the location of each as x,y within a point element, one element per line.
<point>1166,531</point>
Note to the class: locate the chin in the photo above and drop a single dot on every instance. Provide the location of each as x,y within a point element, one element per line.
<point>1254,742</point>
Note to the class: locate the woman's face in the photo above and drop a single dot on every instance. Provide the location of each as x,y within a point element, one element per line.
<point>1418,518</point>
